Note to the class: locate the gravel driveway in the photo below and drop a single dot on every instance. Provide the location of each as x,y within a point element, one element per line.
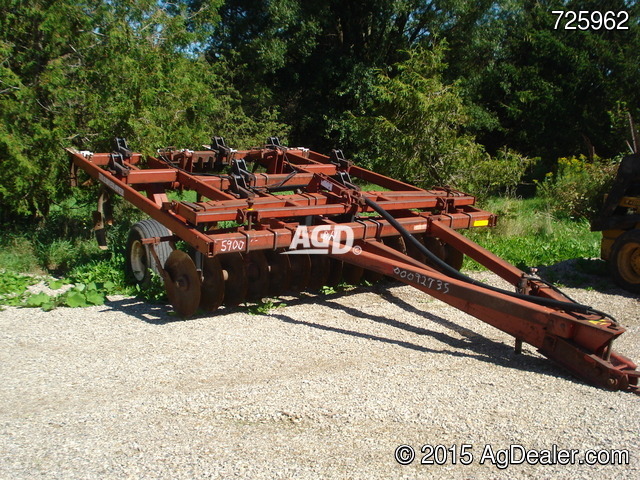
<point>324,387</point>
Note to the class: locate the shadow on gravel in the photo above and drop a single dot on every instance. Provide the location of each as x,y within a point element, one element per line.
<point>154,313</point>
<point>586,273</point>
<point>162,313</point>
<point>472,345</point>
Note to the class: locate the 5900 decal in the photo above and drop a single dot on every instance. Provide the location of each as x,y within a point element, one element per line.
<point>232,245</point>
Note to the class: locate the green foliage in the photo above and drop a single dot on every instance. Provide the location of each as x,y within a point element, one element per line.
<point>80,73</point>
<point>108,270</point>
<point>84,295</point>
<point>93,272</point>
<point>500,174</point>
<point>13,287</point>
<point>80,295</point>
<point>13,291</point>
<point>61,242</point>
<point>327,290</point>
<point>578,186</point>
<point>411,126</point>
<point>264,307</point>
<point>17,254</point>
<point>154,292</point>
<point>543,91</point>
<point>317,58</point>
<point>40,300</point>
<point>529,235</point>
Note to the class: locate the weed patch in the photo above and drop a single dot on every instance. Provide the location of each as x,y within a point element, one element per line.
<point>529,235</point>
<point>264,307</point>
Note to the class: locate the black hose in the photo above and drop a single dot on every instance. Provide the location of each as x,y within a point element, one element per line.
<point>452,272</point>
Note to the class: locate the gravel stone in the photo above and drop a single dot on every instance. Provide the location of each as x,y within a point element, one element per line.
<point>325,387</point>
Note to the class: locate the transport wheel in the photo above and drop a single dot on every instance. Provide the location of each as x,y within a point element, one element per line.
<point>212,291</point>
<point>300,271</point>
<point>182,283</point>
<point>257,269</point>
<point>235,276</point>
<point>321,267</point>
<point>279,272</point>
<point>140,263</point>
<point>624,261</point>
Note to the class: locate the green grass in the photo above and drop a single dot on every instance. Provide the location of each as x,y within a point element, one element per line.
<point>17,254</point>
<point>64,246</point>
<point>183,196</point>
<point>528,235</point>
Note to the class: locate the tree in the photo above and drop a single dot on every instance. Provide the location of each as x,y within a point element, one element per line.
<point>82,72</point>
<point>316,58</point>
<point>412,128</point>
<point>549,92</point>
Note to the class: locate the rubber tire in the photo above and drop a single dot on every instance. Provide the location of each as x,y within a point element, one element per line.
<point>626,247</point>
<point>140,271</point>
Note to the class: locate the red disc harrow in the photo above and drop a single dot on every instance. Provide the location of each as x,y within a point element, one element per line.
<point>275,219</point>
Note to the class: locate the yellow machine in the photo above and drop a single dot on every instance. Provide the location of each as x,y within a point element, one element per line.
<point>619,222</point>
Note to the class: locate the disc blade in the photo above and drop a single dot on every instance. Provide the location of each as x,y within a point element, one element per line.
<point>279,271</point>
<point>371,276</point>
<point>235,284</point>
<point>212,291</point>
<point>300,272</point>
<point>352,274</point>
<point>335,272</point>
<point>257,269</point>
<point>397,243</point>
<point>320,266</point>
<point>182,283</point>
<point>436,247</point>
<point>453,256</point>
<point>413,251</point>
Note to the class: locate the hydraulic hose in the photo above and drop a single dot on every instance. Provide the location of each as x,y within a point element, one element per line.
<point>452,272</point>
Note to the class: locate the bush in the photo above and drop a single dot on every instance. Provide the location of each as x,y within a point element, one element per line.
<point>412,127</point>
<point>578,186</point>
<point>497,175</point>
